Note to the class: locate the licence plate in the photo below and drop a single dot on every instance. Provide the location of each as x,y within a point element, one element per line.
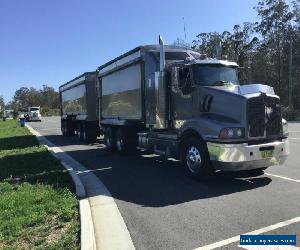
<point>267,153</point>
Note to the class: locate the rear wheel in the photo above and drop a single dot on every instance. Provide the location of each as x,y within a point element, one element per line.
<point>126,141</point>
<point>63,128</point>
<point>89,133</point>
<point>195,158</point>
<point>109,139</point>
<point>67,128</point>
<point>70,128</point>
<point>84,133</point>
<point>80,132</point>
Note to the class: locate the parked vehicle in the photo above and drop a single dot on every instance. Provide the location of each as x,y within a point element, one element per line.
<point>79,107</point>
<point>7,114</point>
<point>177,103</point>
<point>33,114</point>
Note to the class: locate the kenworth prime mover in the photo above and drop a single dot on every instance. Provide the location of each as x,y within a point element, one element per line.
<point>176,103</point>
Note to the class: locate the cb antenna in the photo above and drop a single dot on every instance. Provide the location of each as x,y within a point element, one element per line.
<point>184,30</point>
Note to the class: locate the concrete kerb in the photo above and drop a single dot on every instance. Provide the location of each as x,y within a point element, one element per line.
<point>102,226</point>
<point>87,236</point>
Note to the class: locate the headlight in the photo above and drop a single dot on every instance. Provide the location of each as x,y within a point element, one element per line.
<point>285,128</point>
<point>232,133</point>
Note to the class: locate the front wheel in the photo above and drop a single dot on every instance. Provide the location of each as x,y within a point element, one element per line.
<point>195,158</point>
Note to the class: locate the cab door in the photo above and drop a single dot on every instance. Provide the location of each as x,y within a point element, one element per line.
<point>182,101</point>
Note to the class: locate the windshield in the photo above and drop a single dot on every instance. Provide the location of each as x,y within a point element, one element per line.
<point>214,75</point>
<point>34,109</point>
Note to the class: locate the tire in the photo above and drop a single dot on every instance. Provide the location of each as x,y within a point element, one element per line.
<point>70,128</point>
<point>194,157</point>
<point>89,134</point>
<point>110,139</point>
<point>125,141</point>
<point>80,132</point>
<point>121,141</point>
<point>63,128</point>
<point>84,133</point>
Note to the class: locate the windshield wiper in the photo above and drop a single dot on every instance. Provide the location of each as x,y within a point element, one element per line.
<point>221,83</point>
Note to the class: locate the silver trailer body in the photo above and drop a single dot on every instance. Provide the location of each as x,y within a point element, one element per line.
<point>130,89</point>
<point>79,107</point>
<point>122,93</point>
<point>79,97</point>
<point>74,100</point>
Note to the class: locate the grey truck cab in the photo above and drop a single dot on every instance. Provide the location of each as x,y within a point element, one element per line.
<point>240,126</point>
<point>178,104</point>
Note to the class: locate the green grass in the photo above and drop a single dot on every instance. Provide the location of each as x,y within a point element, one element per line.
<point>38,208</point>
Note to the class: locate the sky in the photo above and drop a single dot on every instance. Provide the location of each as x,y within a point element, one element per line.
<point>53,41</point>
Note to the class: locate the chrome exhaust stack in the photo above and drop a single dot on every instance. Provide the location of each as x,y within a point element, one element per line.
<point>161,90</point>
<point>162,61</point>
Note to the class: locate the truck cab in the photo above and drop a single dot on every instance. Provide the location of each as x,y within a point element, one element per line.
<point>240,127</point>
<point>34,114</point>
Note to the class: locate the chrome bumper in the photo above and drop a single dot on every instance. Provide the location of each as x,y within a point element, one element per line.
<point>236,157</point>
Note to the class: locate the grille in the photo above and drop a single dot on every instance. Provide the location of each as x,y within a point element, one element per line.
<point>264,116</point>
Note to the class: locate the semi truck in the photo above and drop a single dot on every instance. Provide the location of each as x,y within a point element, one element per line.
<point>33,114</point>
<point>179,104</point>
<point>78,99</point>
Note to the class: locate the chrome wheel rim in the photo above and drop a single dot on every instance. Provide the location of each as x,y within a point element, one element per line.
<point>193,159</point>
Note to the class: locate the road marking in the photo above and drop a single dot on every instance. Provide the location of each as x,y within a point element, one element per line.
<point>259,231</point>
<point>293,138</point>
<point>93,170</point>
<point>282,177</point>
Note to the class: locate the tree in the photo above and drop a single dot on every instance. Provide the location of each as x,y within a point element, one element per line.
<point>25,97</point>
<point>2,105</point>
<point>262,48</point>
<point>275,28</point>
<point>181,43</point>
<point>236,46</point>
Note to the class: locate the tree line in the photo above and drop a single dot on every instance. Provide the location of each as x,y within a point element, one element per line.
<point>267,51</point>
<point>263,49</point>
<point>46,97</point>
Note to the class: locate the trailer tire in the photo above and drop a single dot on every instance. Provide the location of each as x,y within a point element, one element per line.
<point>84,133</point>
<point>110,138</point>
<point>70,128</point>
<point>195,159</point>
<point>89,134</point>
<point>63,128</point>
<point>80,132</point>
<point>126,141</point>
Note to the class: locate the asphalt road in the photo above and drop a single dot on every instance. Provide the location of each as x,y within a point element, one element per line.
<point>164,209</point>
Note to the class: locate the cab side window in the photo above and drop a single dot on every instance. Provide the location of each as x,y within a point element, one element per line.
<point>185,80</point>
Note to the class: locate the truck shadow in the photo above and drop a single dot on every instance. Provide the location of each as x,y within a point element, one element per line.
<point>149,181</point>
<point>17,142</point>
<point>37,167</point>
